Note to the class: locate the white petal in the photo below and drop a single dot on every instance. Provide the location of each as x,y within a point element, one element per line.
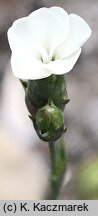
<point>21,41</point>
<point>47,28</point>
<point>18,35</point>
<point>27,68</point>
<point>78,35</point>
<point>64,65</point>
<point>42,28</point>
<point>79,29</point>
<point>63,20</point>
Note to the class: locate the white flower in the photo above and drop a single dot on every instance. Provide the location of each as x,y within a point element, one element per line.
<point>46,42</point>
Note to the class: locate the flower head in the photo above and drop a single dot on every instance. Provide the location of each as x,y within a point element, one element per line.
<point>46,42</point>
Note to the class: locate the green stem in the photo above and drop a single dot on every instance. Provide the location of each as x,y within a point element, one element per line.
<point>58,164</point>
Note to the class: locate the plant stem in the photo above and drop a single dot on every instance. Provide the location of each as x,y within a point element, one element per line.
<point>58,164</point>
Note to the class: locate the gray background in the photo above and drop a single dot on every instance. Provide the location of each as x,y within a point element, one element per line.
<point>24,159</point>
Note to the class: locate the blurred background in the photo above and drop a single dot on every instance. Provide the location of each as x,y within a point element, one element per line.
<point>24,159</point>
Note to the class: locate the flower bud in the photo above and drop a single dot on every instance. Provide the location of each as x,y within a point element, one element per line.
<point>49,122</point>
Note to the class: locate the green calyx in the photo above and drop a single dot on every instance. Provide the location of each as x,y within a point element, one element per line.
<point>47,117</point>
<point>38,93</point>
